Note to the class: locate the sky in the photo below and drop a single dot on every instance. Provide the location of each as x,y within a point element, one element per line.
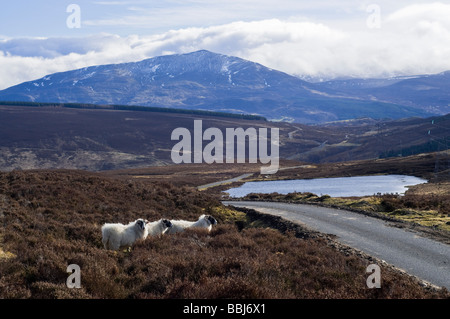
<point>321,39</point>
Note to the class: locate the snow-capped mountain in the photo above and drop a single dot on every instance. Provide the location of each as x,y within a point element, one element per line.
<point>209,81</point>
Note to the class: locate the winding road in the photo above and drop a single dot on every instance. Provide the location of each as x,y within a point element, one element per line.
<point>417,255</point>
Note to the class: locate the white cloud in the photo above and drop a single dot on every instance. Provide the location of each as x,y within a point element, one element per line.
<point>412,40</point>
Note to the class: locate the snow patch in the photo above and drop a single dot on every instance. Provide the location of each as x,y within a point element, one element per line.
<point>154,68</point>
<point>224,68</point>
<point>87,76</point>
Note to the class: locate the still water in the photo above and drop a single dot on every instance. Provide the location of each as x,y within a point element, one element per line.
<point>335,187</point>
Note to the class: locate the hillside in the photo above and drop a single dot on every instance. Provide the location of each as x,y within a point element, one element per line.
<point>94,139</point>
<point>383,139</point>
<point>208,81</point>
<point>51,219</point>
<point>40,137</point>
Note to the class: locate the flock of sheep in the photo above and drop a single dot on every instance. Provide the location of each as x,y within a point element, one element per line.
<point>118,236</point>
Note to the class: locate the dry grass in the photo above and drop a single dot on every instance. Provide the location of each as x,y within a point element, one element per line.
<point>6,255</point>
<point>52,219</point>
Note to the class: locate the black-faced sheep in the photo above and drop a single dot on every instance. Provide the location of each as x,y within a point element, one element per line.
<point>159,227</point>
<point>119,236</point>
<point>204,221</point>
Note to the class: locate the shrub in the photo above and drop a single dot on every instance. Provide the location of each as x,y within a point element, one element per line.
<point>63,228</point>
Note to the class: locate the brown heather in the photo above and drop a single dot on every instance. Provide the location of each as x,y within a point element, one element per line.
<point>50,219</point>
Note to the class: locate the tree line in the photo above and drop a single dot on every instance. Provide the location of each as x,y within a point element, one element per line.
<point>135,108</point>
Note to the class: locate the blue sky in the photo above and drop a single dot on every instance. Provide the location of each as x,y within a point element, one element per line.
<point>47,18</point>
<point>321,39</point>
<point>25,18</point>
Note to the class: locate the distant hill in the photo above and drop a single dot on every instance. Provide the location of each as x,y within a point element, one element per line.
<point>208,81</point>
<point>104,138</point>
<point>427,92</point>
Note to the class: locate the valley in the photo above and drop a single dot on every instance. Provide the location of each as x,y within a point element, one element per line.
<point>96,139</point>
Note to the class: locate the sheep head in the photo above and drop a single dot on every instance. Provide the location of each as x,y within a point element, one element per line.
<point>167,223</point>
<point>211,219</point>
<point>141,223</point>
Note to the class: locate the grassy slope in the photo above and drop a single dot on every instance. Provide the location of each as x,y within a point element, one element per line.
<point>51,219</point>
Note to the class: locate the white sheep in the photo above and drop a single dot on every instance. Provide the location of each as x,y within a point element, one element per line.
<point>119,236</point>
<point>204,221</point>
<point>159,227</point>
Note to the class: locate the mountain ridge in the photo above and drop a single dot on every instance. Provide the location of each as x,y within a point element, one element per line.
<point>208,81</point>
<point>427,91</point>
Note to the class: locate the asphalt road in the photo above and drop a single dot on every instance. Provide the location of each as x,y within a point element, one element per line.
<point>405,249</point>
